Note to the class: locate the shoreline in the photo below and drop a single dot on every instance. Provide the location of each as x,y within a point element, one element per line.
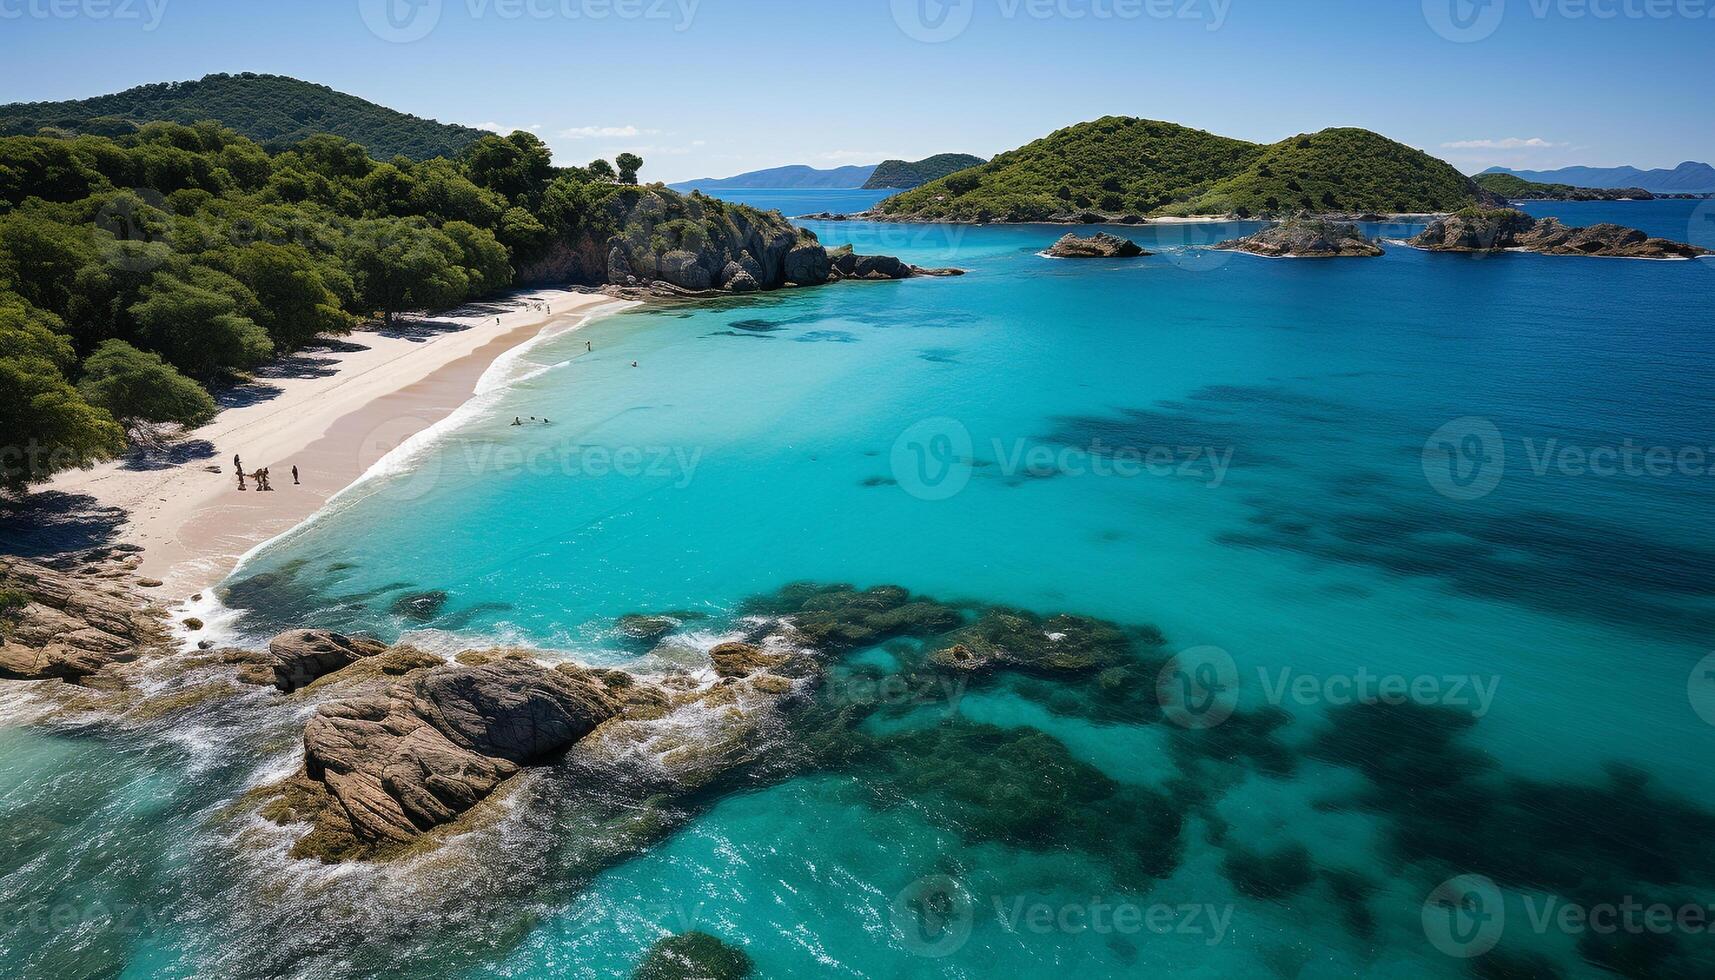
<point>334,412</point>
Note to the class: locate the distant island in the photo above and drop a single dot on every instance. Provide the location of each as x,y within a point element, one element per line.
<point>274,110</point>
<point>1516,188</point>
<point>1122,169</point>
<point>903,175</point>
<point>1687,178</point>
<point>887,175</point>
<point>783,178</point>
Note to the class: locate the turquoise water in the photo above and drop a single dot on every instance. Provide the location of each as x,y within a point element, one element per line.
<point>964,438</point>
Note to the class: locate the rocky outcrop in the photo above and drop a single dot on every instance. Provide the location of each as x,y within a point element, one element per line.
<point>691,245</point>
<point>1308,238</point>
<point>1101,245</point>
<point>382,769</point>
<point>877,268</point>
<point>69,623</point>
<point>1504,229</point>
<point>298,658</point>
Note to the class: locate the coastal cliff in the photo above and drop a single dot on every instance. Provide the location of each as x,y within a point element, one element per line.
<point>651,240</point>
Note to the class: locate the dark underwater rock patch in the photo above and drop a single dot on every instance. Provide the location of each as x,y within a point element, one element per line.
<point>694,956</point>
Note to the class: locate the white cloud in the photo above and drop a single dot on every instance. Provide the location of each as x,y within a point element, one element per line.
<point>1509,143</point>
<point>605,132</point>
<point>495,127</point>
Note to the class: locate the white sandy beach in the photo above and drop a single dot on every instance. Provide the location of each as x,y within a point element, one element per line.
<point>332,414</point>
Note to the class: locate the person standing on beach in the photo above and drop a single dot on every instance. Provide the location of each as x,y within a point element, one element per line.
<point>294,474</point>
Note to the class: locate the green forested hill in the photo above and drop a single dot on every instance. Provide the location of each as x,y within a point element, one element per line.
<point>903,175</point>
<point>1337,170</point>
<point>1122,166</point>
<point>1113,164</point>
<point>1513,187</point>
<point>273,110</point>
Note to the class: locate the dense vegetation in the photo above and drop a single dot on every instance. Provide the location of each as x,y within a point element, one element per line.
<point>904,175</point>
<point>1513,187</point>
<point>1114,164</point>
<point>1118,166</point>
<point>272,110</point>
<point>135,273</point>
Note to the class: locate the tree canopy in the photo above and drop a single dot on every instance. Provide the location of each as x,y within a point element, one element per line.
<point>139,270</point>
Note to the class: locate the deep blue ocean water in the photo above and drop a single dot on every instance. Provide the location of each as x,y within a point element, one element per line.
<point>1338,470</point>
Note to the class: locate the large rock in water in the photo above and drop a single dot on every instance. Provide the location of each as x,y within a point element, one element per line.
<point>1101,245</point>
<point>297,658</point>
<point>807,264</point>
<point>398,764</point>
<point>1500,229</point>
<point>1309,238</point>
<point>68,625</point>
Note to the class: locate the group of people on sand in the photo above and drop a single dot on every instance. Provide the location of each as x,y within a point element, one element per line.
<point>260,477</point>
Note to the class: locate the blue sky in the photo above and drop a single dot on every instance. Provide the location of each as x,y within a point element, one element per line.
<point>715,87</point>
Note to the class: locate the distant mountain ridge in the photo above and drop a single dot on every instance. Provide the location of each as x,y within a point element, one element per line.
<point>903,175</point>
<point>1687,178</point>
<point>778,178</point>
<point>1515,188</point>
<point>274,110</point>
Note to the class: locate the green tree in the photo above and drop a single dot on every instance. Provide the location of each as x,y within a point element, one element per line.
<point>602,170</point>
<point>193,318</point>
<point>518,166</point>
<point>482,256</point>
<point>45,425</point>
<point>629,164</point>
<point>294,301</point>
<point>136,386</point>
<point>403,264</point>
